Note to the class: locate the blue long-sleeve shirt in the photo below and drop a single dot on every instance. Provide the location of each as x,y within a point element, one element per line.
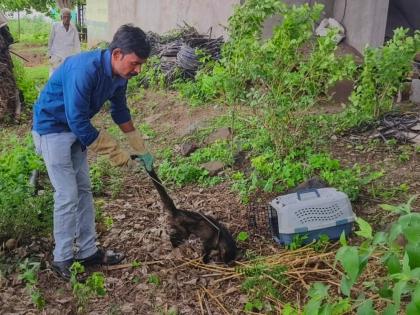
<point>76,92</point>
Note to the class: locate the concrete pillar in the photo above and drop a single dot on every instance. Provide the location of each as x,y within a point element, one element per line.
<point>364,21</point>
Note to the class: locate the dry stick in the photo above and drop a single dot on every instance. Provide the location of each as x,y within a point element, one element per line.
<point>207,306</point>
<point>227,278</point>
<point>20,56</point>
<point>227,292</point>
<point>185,264</point>
<point>333,268</point>
<point>123,266</point>
<point>278,302</point>
<point>216,300</point>
<point>214,268</point>
<point>211,275</point>
<point>308,271</point>
<point>200,302</point>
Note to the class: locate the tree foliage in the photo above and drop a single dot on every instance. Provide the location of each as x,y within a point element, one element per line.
<point>26,5</point>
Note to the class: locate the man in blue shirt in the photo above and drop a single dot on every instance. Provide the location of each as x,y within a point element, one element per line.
<point>62,131</point>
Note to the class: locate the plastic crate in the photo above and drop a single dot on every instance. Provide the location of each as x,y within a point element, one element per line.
<point>310,212</point>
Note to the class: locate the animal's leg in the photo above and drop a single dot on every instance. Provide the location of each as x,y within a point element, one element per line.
<point>207,248</point>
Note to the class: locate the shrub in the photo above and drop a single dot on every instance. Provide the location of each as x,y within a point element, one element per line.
<point>22,213</point>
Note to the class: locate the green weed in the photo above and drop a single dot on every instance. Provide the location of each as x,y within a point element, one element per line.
<point>401,262</point>
<point>83,292</point>
<point>153,279</point>
<point>105,178</point>
<point>29,274</point>
<point>25,83</point>
<point>22,214</point>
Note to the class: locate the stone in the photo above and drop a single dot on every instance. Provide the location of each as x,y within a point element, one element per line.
<point>187,148</point>
<point>330,23</point>
<point>219,134</point>
<point>213,167</point>
<point>341,91</point>
<point>415,91</point>
<point>11,244</point>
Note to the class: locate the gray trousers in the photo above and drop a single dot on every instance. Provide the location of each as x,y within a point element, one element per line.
<point>74,215</point>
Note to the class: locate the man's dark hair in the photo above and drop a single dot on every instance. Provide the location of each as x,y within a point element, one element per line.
<point>131,39</point>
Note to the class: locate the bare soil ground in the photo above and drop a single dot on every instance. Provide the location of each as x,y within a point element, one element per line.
<point>34,55</point>
<point>186,285</point>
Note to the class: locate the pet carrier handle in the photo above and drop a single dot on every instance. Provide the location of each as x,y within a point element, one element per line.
<point>304,191</point>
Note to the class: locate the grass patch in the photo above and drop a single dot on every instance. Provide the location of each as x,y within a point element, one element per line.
<point>30,30</point>
<point>39,74</point>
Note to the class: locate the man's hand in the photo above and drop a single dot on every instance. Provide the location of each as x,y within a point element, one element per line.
<point>136,142</point>
<point>106,145</point>
<point>147,160</point>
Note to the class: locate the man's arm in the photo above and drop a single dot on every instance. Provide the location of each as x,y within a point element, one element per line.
<point>121,116</point>
<point>127,127</point>
<point>78,86</point>
<point>119,111</point>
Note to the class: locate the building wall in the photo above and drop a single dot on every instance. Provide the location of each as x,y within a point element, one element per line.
<point>158,16</point>
<point>364,20</point>
<point>97,15</point>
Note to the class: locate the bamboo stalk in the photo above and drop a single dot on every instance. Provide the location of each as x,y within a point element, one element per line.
<point>216,300</point>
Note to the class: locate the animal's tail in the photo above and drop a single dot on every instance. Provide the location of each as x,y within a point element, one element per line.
<point>167,201</point>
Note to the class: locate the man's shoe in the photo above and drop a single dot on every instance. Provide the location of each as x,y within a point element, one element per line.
<point>62,268</point>
<point>102,257</point>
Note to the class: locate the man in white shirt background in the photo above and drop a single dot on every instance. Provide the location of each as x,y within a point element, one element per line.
<point>63,41</point>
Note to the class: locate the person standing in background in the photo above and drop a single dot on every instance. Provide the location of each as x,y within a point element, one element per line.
<point>63,41</point>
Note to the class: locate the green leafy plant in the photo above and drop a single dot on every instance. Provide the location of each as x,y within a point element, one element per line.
<point>242,236</point>
<point>29,274</point>
<point>182,171</point>
<point>25,83</point>
<point>297,242</point>
<point>147,130</point>
<point>135,264</point>
<point>22,214</point>
<point>321,244</point>
<point>153,279</point>
<point>402,261</point>
<point>103,175</point>
<point>382,75</point>
<point>83,292</point>
<point>261,281</point>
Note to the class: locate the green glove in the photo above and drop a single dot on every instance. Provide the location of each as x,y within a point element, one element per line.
<point>147,160</point>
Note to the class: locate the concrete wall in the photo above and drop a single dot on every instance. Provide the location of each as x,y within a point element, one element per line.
<point>364,21</point>
<point>164,15</point>
<point>97,21</point>
<point>158,16</point>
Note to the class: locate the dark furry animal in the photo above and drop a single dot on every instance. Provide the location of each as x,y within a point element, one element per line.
<point>313,182</point>
<point>213,234</point>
